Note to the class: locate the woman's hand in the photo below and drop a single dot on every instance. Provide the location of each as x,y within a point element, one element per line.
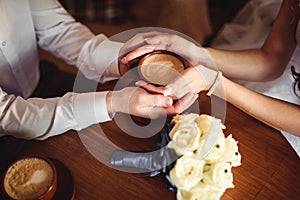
<point>132,44</point>
<point>137,101</point>
<point>192,80</point>
<point>178,88</point>
<point>148,42</point>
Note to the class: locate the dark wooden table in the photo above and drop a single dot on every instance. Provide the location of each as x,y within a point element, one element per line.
<point>270,168</point>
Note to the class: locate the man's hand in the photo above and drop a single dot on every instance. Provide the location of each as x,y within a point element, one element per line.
<point>137,101</point>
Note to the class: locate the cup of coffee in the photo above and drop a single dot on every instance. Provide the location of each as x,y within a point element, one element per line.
<point>161,67</point>
<point>30,178</point>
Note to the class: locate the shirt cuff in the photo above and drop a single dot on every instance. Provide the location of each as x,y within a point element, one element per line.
<point>90,108</point>
<point>112,50</point>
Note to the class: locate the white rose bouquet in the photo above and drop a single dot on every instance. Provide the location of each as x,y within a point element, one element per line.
<point>196,177</point>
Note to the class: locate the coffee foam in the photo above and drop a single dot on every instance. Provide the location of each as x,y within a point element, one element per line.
<point>160,68</point>
<point>28,178</point>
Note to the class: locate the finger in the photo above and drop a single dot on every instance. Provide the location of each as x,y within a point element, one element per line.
<point>149,34</point>
<point>177,108</point>
<point>163,38</point>
<point>149,87</point>
<point>123,68</point>
<point>174,43</point>
<point>167,91</point>
<point>179,87</point>
<point>157,112</point>
<point>176,91</point>
<point>137,40</point>
<point>144,50</point>
<point>182,104</point>
<point>155,100</point>
<point>186,101</point>
<point>161,101</point>
<point>139,52</point>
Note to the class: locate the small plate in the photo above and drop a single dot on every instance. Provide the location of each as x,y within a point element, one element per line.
<point>65,182</point>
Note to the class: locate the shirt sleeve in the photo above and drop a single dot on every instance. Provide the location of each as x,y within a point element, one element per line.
<point>37,118</point>
<point>59,33</point>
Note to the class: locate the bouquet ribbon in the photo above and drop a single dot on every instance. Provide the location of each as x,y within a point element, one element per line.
<point>158,161</point>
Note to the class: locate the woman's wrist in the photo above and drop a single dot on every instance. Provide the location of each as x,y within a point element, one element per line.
<point>208,76</point>
<point>205,58</point>
<point>219,89</point>
<point>215,84</point>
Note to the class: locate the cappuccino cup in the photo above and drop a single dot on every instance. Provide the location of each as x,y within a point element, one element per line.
<point>30,178</point>
<point>161,67</point>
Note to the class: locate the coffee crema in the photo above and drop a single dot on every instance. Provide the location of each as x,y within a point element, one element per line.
<point>160,67</point>
<point>28,178</point>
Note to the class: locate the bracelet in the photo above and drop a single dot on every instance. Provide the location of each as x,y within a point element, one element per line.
<point>215,84</point>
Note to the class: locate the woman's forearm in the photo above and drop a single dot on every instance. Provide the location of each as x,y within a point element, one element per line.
<point>276,113</point>
<point>269,61</point>
<point>250,65</point>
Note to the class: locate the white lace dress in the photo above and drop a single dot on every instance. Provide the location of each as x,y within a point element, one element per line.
<point>249,30</point>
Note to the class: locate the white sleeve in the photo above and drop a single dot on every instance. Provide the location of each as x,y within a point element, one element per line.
<point>59,33</point>
<point>37,118</point>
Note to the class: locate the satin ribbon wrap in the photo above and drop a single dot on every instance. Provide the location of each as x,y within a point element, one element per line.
<point>158,161</point>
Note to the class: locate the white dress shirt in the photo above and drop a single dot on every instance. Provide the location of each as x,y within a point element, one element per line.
<point>27,24</point>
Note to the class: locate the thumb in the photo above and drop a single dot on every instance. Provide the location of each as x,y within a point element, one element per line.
<point>162,101</point>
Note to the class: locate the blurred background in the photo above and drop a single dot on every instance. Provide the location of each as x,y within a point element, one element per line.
<point>199,19</point>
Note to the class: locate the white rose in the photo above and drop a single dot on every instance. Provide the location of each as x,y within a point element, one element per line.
<point>187,172</point>
<point>204,122</point>
<point>232,154</point>
<point>181,121</point>
<point>176,118</point>
<point>200,192</point>
<point>186,118</point>
<point>217,151</point>
<point>208,124</point>
<point>218,175</point>
<point>185,139</point>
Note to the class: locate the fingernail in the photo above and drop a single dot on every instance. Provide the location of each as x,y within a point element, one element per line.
<point>168,102</point>
<point>167,92</point>
<point>124,60</point>
<point>140,83</point>
<point>149,47</point>
<point>193,97</point>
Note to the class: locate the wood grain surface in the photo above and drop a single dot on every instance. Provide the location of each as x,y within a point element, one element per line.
<point>269,170</point>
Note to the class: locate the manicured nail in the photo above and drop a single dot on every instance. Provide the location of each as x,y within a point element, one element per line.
<point>196,96</point>
<point>140,83</point>
<point>149,47</point>
<point>167,92</point>
<point>124,60</point>
<point>168,102</point>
